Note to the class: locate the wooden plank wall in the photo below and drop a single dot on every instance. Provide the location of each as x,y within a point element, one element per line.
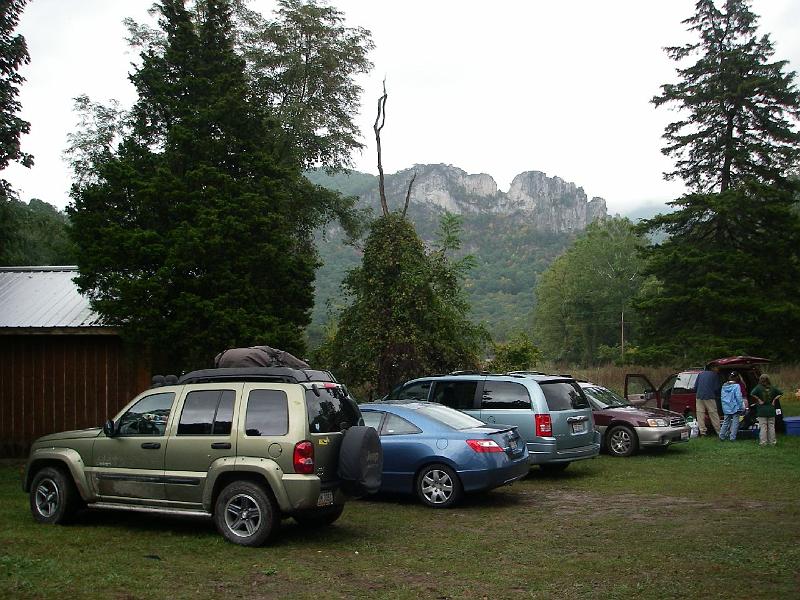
<point>51,383</point>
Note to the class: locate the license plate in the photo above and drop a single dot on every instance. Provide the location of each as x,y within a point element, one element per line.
<point>579,427</point>
<point>684,435</point>
<point>512,444</point>
<point>325,499</point>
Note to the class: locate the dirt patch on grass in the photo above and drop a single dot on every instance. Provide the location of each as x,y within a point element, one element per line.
<point>634,507</point>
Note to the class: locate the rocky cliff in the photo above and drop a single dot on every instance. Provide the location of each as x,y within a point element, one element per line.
<point>547,203</point>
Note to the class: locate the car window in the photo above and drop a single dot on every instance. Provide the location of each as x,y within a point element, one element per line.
<point>685,383</point>
<point>267,413</point>
<point>148,416</point>
<point>413,391</point>
<point>563,395</point>
<point>504,394</point>
<point>372,418</point>
<point>395,425</point>
<point>451,418</point>
<point>331,410</point>
<point>455,394</point>
<point>207,412</point>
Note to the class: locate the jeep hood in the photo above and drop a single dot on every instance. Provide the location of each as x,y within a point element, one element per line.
<point>70,435</point>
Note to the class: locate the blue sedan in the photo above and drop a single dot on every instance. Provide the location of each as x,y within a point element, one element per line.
<point>439,453</point>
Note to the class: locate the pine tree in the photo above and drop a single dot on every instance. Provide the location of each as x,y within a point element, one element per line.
<point>740,108</point>
<point>727,271</point>
<point>194,233</point>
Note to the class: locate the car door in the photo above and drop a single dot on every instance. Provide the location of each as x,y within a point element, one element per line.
<point>131,463</point>
<point>682,399</point>
<point>200,435</point>
<point>640,391</point>
<point>507,403</point>
<point>401,442</point>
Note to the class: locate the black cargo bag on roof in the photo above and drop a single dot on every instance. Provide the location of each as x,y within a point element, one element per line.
<point>360,461</point>
<point>258,356</point>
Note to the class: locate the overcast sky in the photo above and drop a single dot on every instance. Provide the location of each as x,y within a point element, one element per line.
<point>491,87</point>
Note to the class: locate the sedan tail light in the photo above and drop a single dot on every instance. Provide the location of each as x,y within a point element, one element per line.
<point>544,426</point>
<point>484,445</point>
<point>303,458</point>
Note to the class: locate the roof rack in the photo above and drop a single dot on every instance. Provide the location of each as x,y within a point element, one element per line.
<point>274,374</point>
<point>469,372</point>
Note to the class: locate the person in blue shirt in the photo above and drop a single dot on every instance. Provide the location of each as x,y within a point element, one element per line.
<point>707,390</point>
<point>732,406</point>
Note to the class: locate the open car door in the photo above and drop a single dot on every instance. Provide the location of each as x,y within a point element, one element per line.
<point>639,391</point>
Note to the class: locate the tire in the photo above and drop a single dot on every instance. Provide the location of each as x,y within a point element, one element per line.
<point>245,513</point>
<point>360,461</point>
<point>438,486</point>
<point>54,499</point>
<point>319,518</point>
<point>621,440</point>
<point>553,468</point>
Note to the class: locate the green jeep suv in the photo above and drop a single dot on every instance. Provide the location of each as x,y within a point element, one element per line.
<point>246,447</point>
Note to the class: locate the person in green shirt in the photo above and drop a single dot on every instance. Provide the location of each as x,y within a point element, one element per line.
<point>764,395</point>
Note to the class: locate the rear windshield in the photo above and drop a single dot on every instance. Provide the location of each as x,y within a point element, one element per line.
<point>451,418</point>
<point>563,395</point>
<point>331,411</point>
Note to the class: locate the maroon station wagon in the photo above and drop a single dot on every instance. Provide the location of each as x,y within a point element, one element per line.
<point>625,428</point>
<point>677,391</point>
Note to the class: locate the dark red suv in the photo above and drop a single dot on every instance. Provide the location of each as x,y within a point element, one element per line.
<point>677,392</point>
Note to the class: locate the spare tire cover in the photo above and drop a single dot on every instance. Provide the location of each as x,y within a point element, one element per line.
<point>360,461</point>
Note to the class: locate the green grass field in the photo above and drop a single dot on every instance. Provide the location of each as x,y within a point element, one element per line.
<point>706,518</point>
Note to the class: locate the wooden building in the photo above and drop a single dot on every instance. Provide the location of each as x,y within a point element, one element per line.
<point>60,367</point>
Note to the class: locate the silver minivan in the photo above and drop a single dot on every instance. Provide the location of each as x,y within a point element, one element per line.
<point>551,412</point>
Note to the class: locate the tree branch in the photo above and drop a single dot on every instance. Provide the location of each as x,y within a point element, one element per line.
<point>381,118</point>
<point>408,193</point>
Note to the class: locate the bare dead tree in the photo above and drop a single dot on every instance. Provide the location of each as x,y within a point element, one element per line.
<point>408,193</point>
<point>381,118</point>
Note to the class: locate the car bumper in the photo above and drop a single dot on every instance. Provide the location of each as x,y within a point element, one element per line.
<point>486,479</point>
<point>547,452</point>
<point>662,436</point>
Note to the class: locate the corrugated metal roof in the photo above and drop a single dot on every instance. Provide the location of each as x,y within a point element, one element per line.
<point>43,297</point>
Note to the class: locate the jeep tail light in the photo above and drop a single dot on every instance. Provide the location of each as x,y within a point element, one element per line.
<point>544,426</point>
<point>484,445</point>
<point>303,458</point>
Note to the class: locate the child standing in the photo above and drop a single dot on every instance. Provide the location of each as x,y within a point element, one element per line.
<point>732,405</point>
<point>764,394</point>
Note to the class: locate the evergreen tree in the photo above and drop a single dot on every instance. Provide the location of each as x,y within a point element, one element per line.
<point>740,108</point>
<point>727,272</point>
<point>194,231</point>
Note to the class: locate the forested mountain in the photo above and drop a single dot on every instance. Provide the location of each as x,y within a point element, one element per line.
<point>513,236</point>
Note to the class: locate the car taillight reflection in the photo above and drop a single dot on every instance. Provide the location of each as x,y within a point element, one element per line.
<point>303,458</point>
<point>484,445</point>
<point>544,426</point>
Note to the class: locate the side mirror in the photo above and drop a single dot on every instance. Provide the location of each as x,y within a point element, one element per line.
<point>109,429</point>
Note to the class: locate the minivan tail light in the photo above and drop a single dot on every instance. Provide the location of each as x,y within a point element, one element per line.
<point>484,445</point>
<point>303,458</point>
<point>544,426</point>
